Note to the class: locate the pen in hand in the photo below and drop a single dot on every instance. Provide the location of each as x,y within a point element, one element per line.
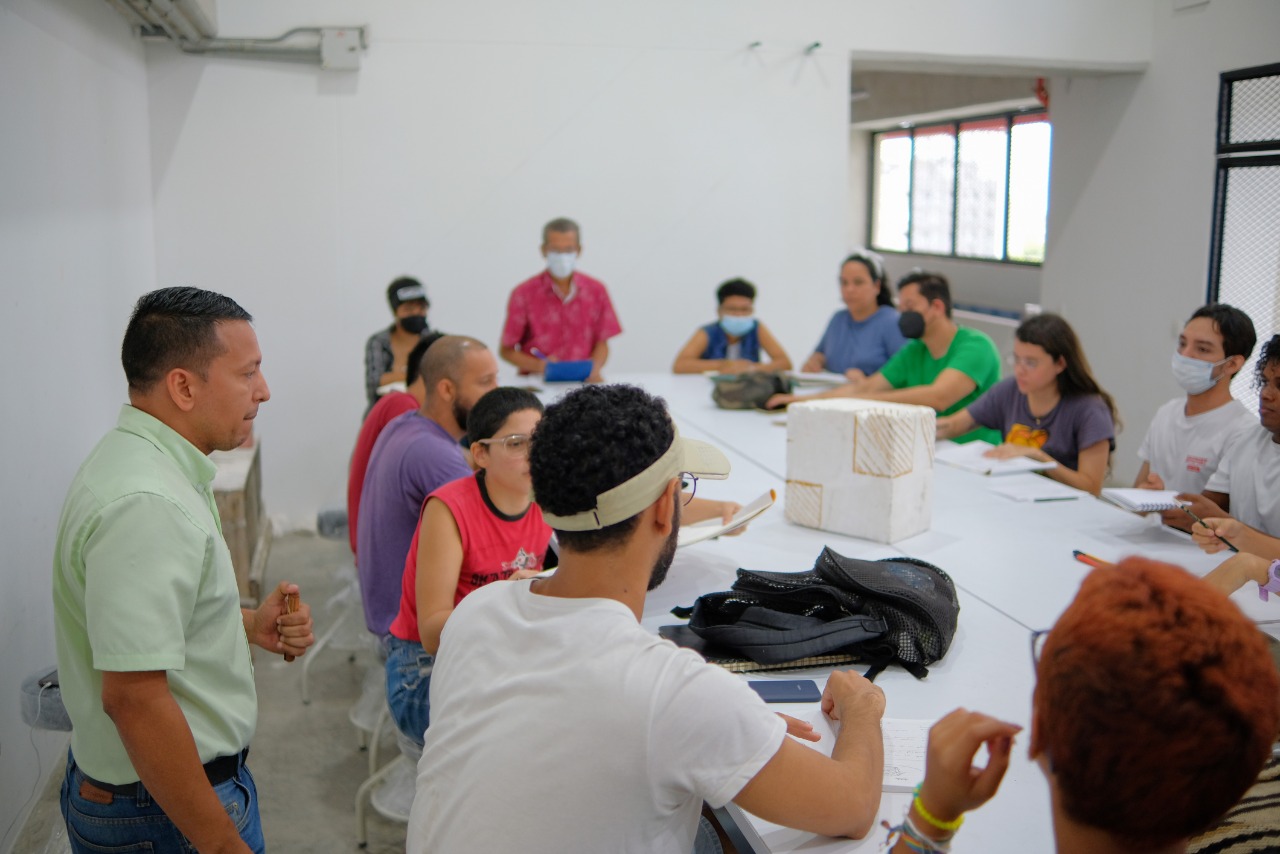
<point>1186,509</point>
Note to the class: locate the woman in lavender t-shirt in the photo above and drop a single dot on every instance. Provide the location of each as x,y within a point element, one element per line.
<point>1051,409</point>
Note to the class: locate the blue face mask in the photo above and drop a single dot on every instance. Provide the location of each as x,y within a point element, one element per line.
<point>1194,375</point>
<point>561,263</point>
<point>737,326</point>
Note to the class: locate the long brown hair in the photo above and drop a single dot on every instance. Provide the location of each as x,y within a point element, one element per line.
<point>1055,336</point>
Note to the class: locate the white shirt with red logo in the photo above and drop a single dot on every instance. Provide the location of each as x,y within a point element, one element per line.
<point>1186,451</point>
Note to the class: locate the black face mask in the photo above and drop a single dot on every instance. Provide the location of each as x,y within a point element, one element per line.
<point>414,324</point>
<point>911,324</point>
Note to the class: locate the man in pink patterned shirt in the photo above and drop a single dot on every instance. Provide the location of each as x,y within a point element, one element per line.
<point>559,315</point>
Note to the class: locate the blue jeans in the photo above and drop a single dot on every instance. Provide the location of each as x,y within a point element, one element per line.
<point>136,823</point>
<point>408,684</point>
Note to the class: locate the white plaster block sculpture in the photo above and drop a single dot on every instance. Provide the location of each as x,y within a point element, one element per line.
<point>862,468</point>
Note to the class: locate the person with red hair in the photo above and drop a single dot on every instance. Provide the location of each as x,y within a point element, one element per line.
<point>1155,707</point>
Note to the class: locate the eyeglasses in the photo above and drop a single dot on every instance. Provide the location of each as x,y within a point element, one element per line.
<point>1029,364</point>
<point>685,483</point>
<point>516,444</point>
<point>1037,645</point>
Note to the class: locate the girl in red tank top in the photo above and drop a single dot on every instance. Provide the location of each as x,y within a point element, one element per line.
<point>478,529</point>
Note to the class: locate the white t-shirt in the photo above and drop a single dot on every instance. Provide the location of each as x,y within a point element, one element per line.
<point>562,725</point>
<point>1250,474</point>
<point>1184,451</point>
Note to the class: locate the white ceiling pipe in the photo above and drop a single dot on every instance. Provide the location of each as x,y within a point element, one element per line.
<point>143,9</point>
<point>166,11</point>
<point>275,47</point>
<point>194,12</point>
<point>134,19</point>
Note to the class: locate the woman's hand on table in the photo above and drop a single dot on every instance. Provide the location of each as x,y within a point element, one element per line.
<point>1237,571</point>
<point>1007,451</point>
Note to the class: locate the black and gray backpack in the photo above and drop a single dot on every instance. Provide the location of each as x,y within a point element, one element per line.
<point>894,611</point>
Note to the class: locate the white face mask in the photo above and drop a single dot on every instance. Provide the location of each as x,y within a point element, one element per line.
<point>1195,376</point>
<point>560,264</point>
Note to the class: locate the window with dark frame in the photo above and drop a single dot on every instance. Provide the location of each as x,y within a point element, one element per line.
<point>970,188</point>
<point>1244,256</point>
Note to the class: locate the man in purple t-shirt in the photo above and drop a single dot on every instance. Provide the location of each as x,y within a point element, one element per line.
<point>416,453</point>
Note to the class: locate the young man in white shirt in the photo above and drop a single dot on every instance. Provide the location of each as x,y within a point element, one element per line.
<point>1190,434</point>
<point>1246,483</point>
<point>560,724</point>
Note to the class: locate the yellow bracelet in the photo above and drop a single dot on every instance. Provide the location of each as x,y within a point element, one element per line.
<point>952,826</point>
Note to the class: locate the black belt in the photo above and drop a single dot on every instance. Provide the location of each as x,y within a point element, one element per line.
<point>218,771</point>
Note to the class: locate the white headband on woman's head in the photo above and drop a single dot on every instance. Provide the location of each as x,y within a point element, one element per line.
<point>873,260</point>
<point>636,493</point>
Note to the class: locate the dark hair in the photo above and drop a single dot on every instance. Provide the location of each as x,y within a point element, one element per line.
<point>174,328</point>
<point>1156,703</point>
<point>735,288</point>
<point>1270,355</point>
<point>1235,327</point>
<point>932,286</point>
<point>404,282</point>
<point>875,267</point>
<point>443,360</point>
<point>413,366</point>
<point>1054,335</point>
<point>589,442</point>
<point>561,225</point>
<point>495,407</point>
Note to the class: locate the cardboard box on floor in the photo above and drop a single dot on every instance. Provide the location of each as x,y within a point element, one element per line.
<point>861,468</point>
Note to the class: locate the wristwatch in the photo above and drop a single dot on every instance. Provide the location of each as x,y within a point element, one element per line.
<point>1273,581</point>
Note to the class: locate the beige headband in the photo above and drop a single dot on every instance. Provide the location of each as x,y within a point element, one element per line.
<point>636,493</point>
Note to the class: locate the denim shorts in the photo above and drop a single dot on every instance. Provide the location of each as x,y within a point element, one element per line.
<point>135,822</point>
<point>408,686</point>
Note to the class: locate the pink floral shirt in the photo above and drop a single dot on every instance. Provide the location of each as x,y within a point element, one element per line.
<point>537,317</point>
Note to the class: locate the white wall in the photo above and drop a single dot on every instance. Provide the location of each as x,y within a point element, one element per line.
<point>1132,190</point>
<point>686,157</point>
<point>76,239</point>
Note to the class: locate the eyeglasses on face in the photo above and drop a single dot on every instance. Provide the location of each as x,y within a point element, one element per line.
<point>1029,363</point>
<point>516,444</point>
<point>688,481</point>
<point>1038,638</point>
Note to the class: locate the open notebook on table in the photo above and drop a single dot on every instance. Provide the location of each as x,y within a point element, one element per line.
<point>710,528</point>
<point>906,742</point>
<point>970,457</point>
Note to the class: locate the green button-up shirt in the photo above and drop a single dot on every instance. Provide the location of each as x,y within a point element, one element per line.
<point>142,580</point>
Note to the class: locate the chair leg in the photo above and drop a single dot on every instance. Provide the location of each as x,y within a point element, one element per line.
<point>362,800</point>
<point>375,739</point>
<point>314,652</point>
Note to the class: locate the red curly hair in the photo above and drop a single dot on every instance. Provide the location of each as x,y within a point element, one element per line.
<point>1156,703</point>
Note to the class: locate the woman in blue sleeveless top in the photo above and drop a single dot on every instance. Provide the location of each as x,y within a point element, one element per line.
<point>732,344</point>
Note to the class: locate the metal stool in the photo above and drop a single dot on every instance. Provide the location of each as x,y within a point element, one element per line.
<point>346,632</point>
<point>390,790</point>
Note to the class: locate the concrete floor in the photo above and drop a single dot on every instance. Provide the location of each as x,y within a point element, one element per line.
<point>305,758</point>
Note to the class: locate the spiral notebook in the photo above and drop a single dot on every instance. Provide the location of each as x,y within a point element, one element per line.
<point>1143,500</point>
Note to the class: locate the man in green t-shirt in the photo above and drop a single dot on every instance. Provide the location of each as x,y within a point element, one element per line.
<point>945,366</point>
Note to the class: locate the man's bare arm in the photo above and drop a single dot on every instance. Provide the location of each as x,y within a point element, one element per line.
<point>160,746</point>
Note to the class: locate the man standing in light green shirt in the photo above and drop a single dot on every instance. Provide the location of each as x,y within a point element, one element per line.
<point>153,647</point>
<point>944,366</point>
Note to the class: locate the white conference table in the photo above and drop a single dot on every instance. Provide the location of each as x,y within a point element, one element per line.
<point>1013,567</point>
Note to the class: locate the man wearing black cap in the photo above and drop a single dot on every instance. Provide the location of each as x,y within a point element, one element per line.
<point>386,352</point>
<point>603,735</point>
